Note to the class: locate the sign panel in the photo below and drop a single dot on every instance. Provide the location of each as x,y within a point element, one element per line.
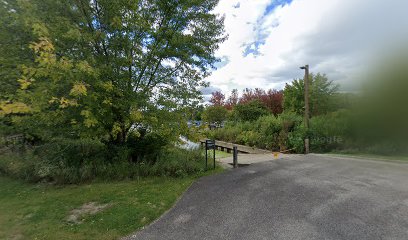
<point>209,145</point>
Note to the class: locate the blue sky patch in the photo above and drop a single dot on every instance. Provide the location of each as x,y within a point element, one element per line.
<point>274,4</point>
<point>224,61</point>
<point>253,48</point>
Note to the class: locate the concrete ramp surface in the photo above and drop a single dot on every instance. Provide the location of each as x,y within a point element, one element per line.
<point>252,158</point>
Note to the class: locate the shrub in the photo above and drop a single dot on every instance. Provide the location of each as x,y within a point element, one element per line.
<point>19,166</point>
<point>250,138</point>
<point>250,111</point>
<point>62,161</point>
<point>149,144</point>
<point>296,138</point>
<point>290,121</point>
<point>330,131</point>
<point>268,132</point>
<point>268,128</point>
<point>71,152</point>
<point>228,133</point>
<point>214,114</point>
<point>174,162</point>
<point>68,161</point>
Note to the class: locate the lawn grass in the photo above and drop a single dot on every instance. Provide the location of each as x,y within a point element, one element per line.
<point>218,154</point>
<point>221,154</point>
<point>40,211</point>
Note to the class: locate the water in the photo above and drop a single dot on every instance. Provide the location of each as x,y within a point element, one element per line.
<point>187,144</point>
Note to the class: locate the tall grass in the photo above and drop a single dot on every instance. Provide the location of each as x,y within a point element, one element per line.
<point>68,162</point>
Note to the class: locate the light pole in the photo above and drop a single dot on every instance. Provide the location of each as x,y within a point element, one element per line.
<point>307,114</point>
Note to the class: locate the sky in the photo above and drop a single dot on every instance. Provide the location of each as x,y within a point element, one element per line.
<point>268,40</point>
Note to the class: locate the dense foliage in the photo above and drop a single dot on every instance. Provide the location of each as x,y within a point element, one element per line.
<point>329,132</point>
<point>274,119</point>
<point>321,95</point>
<point>117,73</point>
<point>217,98</point>
<point>371,121</point>
<point>215,114</point>
<point>272,99</point>
<point>249,111</point>
<point>78,161</point>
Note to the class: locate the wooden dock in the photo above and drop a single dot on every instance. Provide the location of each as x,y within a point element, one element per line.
<point>227,147</point>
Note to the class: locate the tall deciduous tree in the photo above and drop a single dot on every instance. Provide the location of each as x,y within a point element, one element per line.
<point>322,92</point>
<point>249,111</point>
<point>217,98</point>
<point>215,114</point>
<point>271,99</point>
<point>104,67</point>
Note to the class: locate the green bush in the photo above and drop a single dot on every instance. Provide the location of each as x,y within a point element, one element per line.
<point>296,138</point>
<point>71,152</point>
<point>250,138</point>
<point>215,114</point>
<point>250,111</point>
<point>67,162</point>
<point>149,144</point>
<point>330,132</point>
<point>268,128</point>
<point>290,121</point>
<point>174,162</point>
<point>267,132</point>
<point>19,166</point>
<point>229,133</point>
<point>268,124</point>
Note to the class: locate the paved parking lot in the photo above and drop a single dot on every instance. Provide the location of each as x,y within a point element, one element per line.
<point>294,197</point>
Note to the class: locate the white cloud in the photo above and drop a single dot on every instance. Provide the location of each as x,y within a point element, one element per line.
<point>330,35</point>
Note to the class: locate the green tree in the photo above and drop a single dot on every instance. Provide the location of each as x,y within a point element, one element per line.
<point>100,69</point>
<point>249,111</point>
<point>15,37</point>
<point>322,93</point>
<point>215,114</point>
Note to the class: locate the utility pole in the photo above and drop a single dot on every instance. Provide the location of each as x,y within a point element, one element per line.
<point>307,110</point>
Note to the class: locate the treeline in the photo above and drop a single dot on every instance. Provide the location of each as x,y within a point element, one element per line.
<point>367,121</point>
<point>272,99</point>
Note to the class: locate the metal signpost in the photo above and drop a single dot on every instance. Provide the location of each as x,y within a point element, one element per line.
<point>209,144</point>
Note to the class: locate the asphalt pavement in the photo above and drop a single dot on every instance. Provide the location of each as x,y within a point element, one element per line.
<point>294,197</point>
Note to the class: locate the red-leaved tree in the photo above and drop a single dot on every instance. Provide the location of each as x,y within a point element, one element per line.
<point>271,99</point>
<point>217,98</point>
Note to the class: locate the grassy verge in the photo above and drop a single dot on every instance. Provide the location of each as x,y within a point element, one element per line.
<point>40,211</point>
<point>371,156</point>
<point>219,154</point>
